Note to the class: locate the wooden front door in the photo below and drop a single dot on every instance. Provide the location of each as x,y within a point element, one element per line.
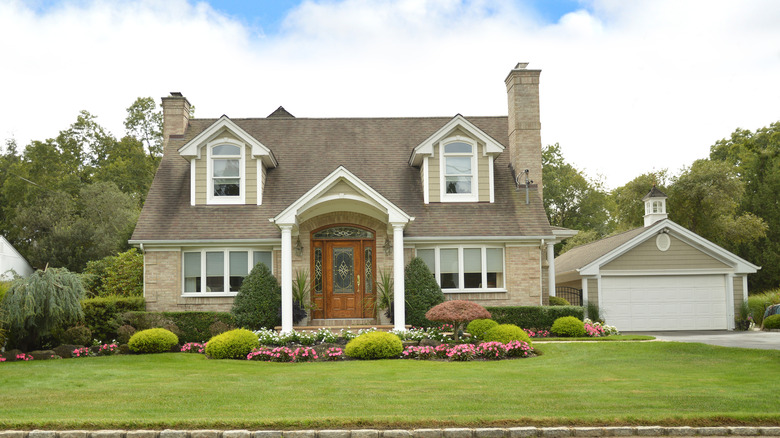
<point>343,277</point>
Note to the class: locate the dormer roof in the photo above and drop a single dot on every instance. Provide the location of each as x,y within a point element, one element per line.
<point>224,128</point>
<point>459,125</point>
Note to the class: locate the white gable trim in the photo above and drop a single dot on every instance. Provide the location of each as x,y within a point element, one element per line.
<point>315,196</point>
<point>740,265</point>
<point>194,146</point>
<point>426,148</point>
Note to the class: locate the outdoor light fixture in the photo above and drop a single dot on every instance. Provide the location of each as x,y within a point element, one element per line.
<point>388,247</point>
<point>298,247</point>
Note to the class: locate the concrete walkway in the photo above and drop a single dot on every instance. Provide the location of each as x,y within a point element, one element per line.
<point>748,339</point>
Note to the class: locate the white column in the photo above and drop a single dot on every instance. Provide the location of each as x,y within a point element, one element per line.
<point>551,269</point>
<point>399,300</point>
<point>584,291</point>
<point>287,311</point>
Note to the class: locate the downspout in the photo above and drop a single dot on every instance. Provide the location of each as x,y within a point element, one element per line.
<point>143,253</point>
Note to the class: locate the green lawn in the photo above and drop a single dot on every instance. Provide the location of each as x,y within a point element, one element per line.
<point>609,383</point>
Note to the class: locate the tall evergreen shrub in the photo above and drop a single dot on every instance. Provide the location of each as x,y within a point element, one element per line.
<point>258,303</point>
<point>41,304</point>
<point>422,293</point>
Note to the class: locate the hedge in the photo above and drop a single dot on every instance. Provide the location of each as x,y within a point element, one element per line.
<point>103,315</point>
<point>189,326</point>
<point>534,317</point>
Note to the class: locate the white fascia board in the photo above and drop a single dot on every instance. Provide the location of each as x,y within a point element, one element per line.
<point>203,242</point>
<point>740,265</point>
<point>288,215</point>
<point>560,235</point>
<point>192,148</point>
<point>507,239</point>
<point>426,147</point>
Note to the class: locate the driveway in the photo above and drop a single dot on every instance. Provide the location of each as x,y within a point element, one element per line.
<point>748,339</point>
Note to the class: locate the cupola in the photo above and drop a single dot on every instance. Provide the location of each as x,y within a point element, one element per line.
<point>655,206</point>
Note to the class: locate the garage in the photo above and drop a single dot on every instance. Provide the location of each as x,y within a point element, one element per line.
<point>665,302</point>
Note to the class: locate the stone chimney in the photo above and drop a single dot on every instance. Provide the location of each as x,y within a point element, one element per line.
<point>176,115</point>
<point>525,139</point>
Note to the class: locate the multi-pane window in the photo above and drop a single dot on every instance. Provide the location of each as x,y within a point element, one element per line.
<point>465,268</point>
<point>219,271</point>
<point>458,168</point>
<point>225,179</point>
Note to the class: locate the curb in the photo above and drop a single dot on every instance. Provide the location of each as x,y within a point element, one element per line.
<point>511,432</point>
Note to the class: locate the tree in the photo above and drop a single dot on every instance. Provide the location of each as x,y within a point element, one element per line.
<point>627,208</point>
<point>144,123</point>
<point>756,159</point>
<point>259,300</point>
<point>43,303</point>
<point>421,291</point>
<point>457,313</point>
<point>571,199</point>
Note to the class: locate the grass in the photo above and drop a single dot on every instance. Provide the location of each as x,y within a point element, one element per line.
<point>758,303</point>
<point>613,338</point>
<point>611,383</point>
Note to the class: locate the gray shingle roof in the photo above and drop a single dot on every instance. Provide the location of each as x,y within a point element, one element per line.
<point>580,256</point>
<point>376,150</point>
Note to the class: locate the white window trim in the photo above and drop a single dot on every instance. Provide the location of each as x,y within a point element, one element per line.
<point>193,181</point>
<point>226,200</point>
<point>461,278</point>
<point>458,197</point>
<point>226,269</point>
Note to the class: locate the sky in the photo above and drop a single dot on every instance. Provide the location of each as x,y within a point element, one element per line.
<point>627,87</point>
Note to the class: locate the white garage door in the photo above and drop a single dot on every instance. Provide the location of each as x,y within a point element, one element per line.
<point>692,302</point>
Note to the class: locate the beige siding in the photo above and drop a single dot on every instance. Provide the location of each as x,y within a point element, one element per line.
<point>738,297</point>
<point>201,180</point>
<point>434,177</point>
<point>647,256</point>
<point>339,188</point>
<point>593,290</point>
<point>250,177</point>
<point>483,175</point>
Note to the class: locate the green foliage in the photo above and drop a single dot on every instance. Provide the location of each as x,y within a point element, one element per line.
<point>258,303</point>
<point>627,206</point>
<point>103,315</point>
<point>124,333</point>
<point>144,122</point>
<point>41,304</point>
<point>119,275</point>
<point>77,335</point>
<point>301,295</point>
<point>759,302</point>
<point>156,340</point>
<point>558,301</point>
<point>233,344</point>
<point>534,317</point>
<point>571,199</point>
<point>478,327</point>
<point>374,345</point>
<point>581,238</point>
<point>506,333</point>
<point>422,293</point>
<point>772,322</point>
<point>593,311</point>
<point>568,327</point>
<point>197,326</point>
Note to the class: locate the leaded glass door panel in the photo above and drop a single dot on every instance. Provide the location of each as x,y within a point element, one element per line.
<point>343,279</point>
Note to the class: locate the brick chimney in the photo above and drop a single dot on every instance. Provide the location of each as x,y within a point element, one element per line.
<point>176,115</point>
<point>525,140</point>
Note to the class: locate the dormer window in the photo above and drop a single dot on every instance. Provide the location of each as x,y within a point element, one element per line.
<point>459,176</point>
<point>226,174</point>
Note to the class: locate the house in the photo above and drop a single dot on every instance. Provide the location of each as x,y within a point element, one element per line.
<point>658,277</point>
<point>342,199</point>
<point>11,262</point>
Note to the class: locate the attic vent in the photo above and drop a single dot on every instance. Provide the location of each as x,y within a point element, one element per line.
<point>281,113</point>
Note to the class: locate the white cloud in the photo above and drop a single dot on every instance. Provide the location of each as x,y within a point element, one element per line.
<point>626,86</point>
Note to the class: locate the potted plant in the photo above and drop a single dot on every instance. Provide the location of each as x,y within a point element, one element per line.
<point>301,300</point>
<point>384,299</point>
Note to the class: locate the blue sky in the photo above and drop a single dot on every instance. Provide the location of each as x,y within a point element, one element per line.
<point>627,87</point>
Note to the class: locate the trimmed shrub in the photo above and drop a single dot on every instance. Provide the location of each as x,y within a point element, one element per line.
<point>124,333</point>
<point>772,322</point>
<point>569,327</point>
<point>374,345</point>
<point>258,303</point>
<point>478,327</point>
<point>422,293</point>
<point>233,344</point>
<point>534,317</point>
<point>558,301</point>
<point>77,335</point>
<point>197,326</point>
<point>104,315</point>
<point>156,340</point>
<point>119,275</point>
<point>506,333</point>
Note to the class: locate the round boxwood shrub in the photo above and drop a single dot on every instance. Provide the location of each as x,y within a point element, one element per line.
<point>421,292</point>
<point>155,340</point>
<point>772,322</point>
<point>478,327</point>
<point>77,335</point>
<point>506,333</point>
<point>558,301</point>
<point>568,326</point>
<point>374,345</point>
<point>232,344</point>
<point>258,303</point>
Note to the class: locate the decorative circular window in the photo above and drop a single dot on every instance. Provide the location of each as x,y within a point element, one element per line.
<point>662,241</point>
